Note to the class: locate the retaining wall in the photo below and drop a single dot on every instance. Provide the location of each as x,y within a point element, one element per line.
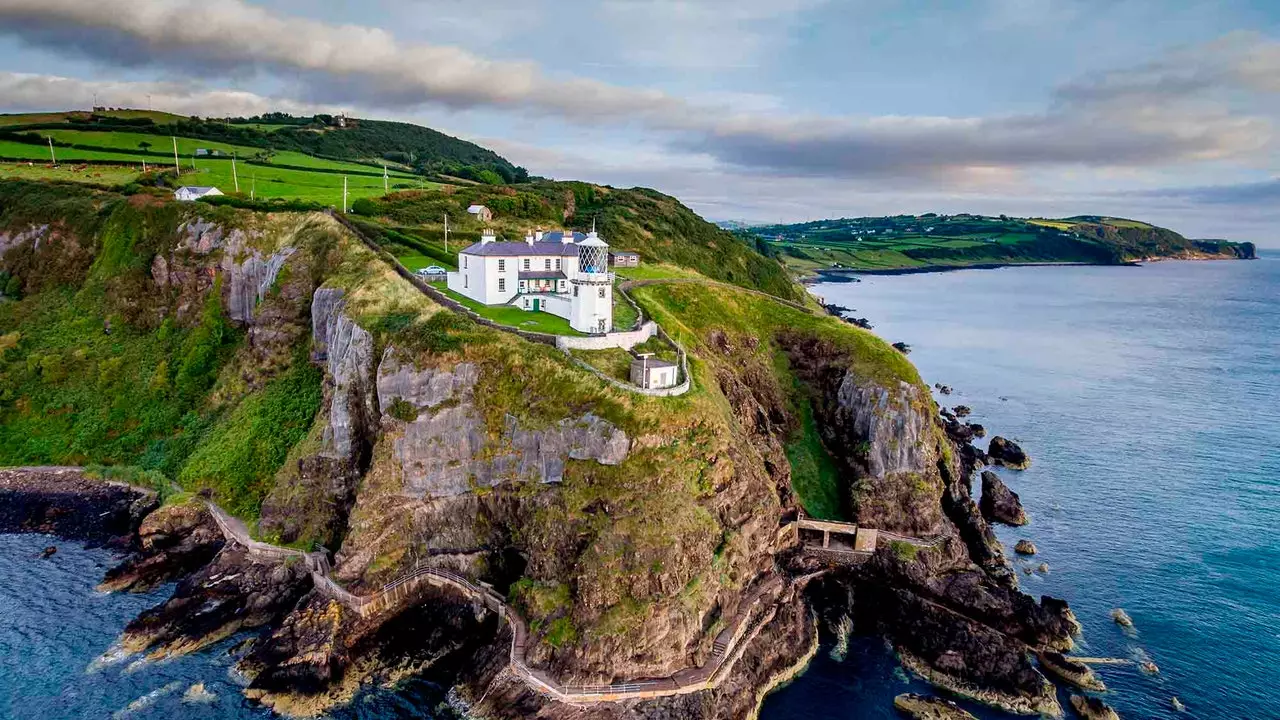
<point>625,340</point>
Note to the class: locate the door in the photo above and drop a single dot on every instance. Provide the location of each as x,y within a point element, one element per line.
<point>537,304</point>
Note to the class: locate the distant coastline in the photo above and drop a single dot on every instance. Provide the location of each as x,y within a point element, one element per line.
<point>850,274</point>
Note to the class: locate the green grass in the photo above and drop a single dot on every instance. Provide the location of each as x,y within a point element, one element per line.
<point>656,271</point>
<point>417,262</point>
<point>624,316</point>
<point>91,174</point>
<point>542,322</point>
<point>614,362</point>
<point>814,476</point>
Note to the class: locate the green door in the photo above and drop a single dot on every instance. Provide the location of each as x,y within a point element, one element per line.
<point>537,304</point>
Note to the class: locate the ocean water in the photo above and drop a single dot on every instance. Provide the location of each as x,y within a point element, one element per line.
<point>58,659</point>
<point>1149,401</point>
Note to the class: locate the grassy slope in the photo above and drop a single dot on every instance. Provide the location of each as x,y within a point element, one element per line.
<point>657,226</point>
<point>690,312</point>
<point>161,395</point>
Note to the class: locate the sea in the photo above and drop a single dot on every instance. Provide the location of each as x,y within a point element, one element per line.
<point>1148,398</point>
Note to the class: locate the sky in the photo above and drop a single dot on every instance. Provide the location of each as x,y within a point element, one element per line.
<point>752,110</point>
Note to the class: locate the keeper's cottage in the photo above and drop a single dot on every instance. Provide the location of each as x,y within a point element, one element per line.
<point>562,273</point>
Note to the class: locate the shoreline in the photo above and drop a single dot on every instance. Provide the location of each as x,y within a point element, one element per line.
<point>844,275</point>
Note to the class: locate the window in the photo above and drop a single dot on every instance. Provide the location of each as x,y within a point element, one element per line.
<point>464,280</point>
<point>526,263</point>
<point>502,284</point>
<point>601,292</point>
<point>557,263</point>
<point>548,264</point>
<point>575,291</point>
<point>526,303</point>
<point>502,265</point>
<point>464,262</point>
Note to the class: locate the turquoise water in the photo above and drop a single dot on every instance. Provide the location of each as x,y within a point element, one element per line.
<point>1149,400</point>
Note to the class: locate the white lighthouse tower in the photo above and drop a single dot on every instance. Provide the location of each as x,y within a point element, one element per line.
<point>591,308</point>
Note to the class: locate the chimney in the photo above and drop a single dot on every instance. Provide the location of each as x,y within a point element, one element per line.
<point>528,238</point>
<point>537,235</point>
<point>567,237</point>
<point>487,237</point>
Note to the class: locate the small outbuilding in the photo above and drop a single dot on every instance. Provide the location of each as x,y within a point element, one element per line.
<point>651,373</point>
<point>624,258</point>
<point>187,193</point>
<point>480,212</point>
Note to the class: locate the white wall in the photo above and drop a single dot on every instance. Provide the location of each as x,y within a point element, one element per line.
<point>624,340</point>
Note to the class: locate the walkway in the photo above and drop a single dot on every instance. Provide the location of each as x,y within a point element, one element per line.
<point>757,609</point>
<point>863,545</point>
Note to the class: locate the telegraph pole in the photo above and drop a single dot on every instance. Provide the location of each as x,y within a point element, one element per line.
<point>53,158</point>
<point>234,178</point>
<point>344,193</point>
<point>253,186</point>
<point>385,189</point>
<point>176,167</point>
<point>446,233</point>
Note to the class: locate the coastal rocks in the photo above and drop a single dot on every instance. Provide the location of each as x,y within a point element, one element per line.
<point>1025,547</point>
<point>943,389</point>
<point>1091,708</point>
<point>1076,673</point>
<point>174,541</point>
<point>923,707</point>
<point>49,552</point>
<point>198,695</point>
<point>999,503</point>
<point>1006,452</point>
<point>63,502</point>
<point>961,411</point>
<point>232,593</point>
<point>1121,618</point>
<point>346,351</point>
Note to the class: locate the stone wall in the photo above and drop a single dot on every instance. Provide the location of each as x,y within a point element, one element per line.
<point>624,340</point>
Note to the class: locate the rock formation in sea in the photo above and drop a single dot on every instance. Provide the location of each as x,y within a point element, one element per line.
<point>1007,453</point>
<point>999,503</point>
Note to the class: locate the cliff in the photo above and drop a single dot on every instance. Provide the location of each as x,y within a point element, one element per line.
<point>278,366</point>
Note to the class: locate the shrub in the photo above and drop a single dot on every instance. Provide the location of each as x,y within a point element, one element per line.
<point>403,410</point>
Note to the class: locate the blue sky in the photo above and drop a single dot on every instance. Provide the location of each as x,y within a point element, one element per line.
<point>761,110</point>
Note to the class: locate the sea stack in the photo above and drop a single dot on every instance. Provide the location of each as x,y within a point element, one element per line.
<point>923,707</point>
<point>1091,708</point>
<point>1008,453</point>
<point>999,503</point>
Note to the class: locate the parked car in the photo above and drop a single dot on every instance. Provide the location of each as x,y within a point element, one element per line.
<point>432,271</point>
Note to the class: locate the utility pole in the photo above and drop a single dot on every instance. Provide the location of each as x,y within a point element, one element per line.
<point>344,193</point>
<point>253,186</point>
<point>52,158</point>
<point>234,178</point>
<point>446,233</point>
<point>385,189</point>
<point>176,167</point>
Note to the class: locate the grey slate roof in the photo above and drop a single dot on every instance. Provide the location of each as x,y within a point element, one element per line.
<point>624,253</point>
<point>517,249</point>
<point>542,275</point>
<point>653,363</point>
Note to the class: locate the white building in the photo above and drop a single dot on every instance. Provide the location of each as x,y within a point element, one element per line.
<point>651,373</point>
<point>481,213</point>
<point>562,273</point>
<point>188,193</point>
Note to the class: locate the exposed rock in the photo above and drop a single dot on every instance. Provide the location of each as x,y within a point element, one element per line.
<point>446,449</point>
<point>63,502</point>
<point>902,347</point>
<point>1076,673</point>
<point>944,389</point>
<point>1025,547</point>
<point>1043,568</point>
<point>175,541</point>
<point>978,430</point>
<point>1007,453</point>
<point>1177,705</point>
<point>962,411</point>
<point>346,349</point>
<point>999,503</point>
<point>1121,618</point>
<point>230,594</point>
<point>49,551</point>
<point>923,707</point>
<point>197,694</point>
<point>1091,708</point>
<point>1149,667</point>
<point>247,273</point>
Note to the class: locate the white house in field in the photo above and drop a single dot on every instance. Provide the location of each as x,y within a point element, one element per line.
<point>562,273</point>
<point>187,193</point>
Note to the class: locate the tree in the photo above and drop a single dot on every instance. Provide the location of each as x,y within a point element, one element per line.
<point>144,146</point>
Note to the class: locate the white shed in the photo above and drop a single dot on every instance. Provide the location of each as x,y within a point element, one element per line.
<point>650,372</point>
<point>187,193</point>
<point>481,212</point>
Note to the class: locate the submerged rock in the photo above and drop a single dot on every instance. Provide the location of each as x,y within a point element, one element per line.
<point>1025,547</point>
<point>1072,671</point>
<point>49,551</point>
<point>1091,708</point>
<point>198,694</point>
<point>1122,618</point>
<point>923,707</point>
<point>999,503</point>
<point>1177,704</point>
<point>1003,451</point>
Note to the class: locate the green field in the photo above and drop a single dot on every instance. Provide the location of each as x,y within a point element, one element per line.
<point>93,174</point>
<point>515,317</point>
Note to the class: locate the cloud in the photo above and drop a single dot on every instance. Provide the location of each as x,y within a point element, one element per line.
<point>27,92</point>
<point>1265,192</point>
<point>1152,116</point>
